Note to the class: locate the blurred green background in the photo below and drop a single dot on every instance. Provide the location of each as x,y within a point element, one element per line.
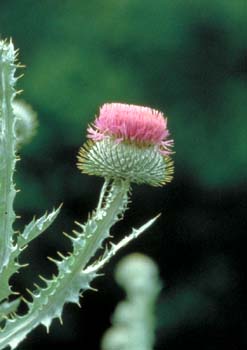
<point>188,59</point>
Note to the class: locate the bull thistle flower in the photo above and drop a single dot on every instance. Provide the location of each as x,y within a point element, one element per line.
<point>128,142</point>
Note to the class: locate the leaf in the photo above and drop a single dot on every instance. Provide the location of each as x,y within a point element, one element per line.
<point>31,231</point>
<point>7,308</point>
<point>36,227</point>
<point>109,253</point>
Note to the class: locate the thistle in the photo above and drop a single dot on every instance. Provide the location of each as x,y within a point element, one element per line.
<point>117,150</point>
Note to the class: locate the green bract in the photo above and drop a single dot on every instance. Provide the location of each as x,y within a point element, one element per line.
<point>125,160</point>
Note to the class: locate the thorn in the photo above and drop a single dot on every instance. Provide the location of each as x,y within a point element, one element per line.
<point>61,255</point>
<point>24,265</point>
<point>20,76</point>
<point>23,248</point>
<point>67,235</point>
<point>29,291</point>
<point>60,206</point>
<point>60,320</point>
<point>15,293</point>
<point>157,216</point>
<point>53,260</point>
<point>25,300</point>
<point>79,224</point>
<point>76,232</point>
<point>78,303</point>
<point>36,286</point>
<point>43,279</point>
<point>19,65</point>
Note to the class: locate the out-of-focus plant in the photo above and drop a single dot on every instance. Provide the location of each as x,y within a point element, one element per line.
<point>126,144</point>
<point>26,122</point>
<point>133,319</point>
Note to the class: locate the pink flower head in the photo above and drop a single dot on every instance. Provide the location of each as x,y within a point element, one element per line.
<point>123,122</point>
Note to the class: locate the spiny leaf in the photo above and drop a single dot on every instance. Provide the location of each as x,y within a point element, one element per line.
<point>31,231</point>
<point>7,308</point>
<point>37,227</point>
<point>109,253</point>
<point>8,271</point>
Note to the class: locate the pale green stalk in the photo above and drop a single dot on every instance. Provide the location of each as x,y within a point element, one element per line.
<point>133,321</point>
<point>7,150</point>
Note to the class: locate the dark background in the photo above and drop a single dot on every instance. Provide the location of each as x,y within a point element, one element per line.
<point>188,59</point>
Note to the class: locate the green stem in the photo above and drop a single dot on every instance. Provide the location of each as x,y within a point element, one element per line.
<point>115,206</point>
<point>7,150</point>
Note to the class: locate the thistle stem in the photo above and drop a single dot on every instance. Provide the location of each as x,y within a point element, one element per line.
<point>7,150</point>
